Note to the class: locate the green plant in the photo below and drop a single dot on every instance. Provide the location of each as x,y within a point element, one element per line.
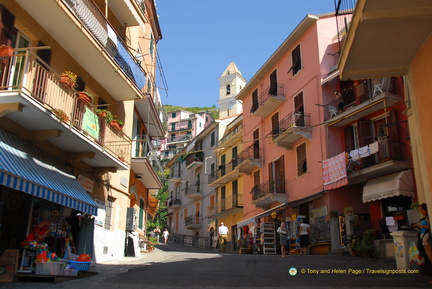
<point>106,114</point>
<point>367,246</point>
<point>355,244</point>
<point>71,74</point>
<point>333,214</point>
<point>119,122</point>
<point>348,211</point>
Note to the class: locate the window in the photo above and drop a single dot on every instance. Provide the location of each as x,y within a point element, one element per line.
<point>212,202</point>
<point>296,60</point>
<point>223,196</point>
<point>173,137</point>
<point>173,126</point>
<point>299,110</point>
<point>141,214</point>
<point>275,125</point>
<point>235,193</point>
<point>197,182</point>
<point>213,139</point>
<point>228,89</point>
<point>254,101</point>
<point>234,157</point>
<point>222,165</point>
<point>277,176</point>
<point>108,213</point>
<point>173,115</point>
<point>185,215</point>
<point>273,90</point>
<point>301,160</point>
<point>256,145</point>
<point>212,170</point>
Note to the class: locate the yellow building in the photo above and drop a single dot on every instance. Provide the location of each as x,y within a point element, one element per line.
<point>72,60</point>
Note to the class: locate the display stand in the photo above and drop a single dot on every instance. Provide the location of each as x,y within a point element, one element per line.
<point>268,238</point>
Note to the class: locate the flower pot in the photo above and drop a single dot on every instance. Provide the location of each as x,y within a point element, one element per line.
<point>67,81</point>
<point>116,125</point>
<point>84,97</point>
<point>6,51</point>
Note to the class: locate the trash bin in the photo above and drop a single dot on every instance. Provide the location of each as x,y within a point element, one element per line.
<point>402,241</point>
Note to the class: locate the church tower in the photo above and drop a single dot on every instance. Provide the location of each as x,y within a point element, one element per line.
<point>230,83</point>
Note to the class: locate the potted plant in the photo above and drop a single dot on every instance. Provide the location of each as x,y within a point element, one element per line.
<point>116,124</point>
<point>6,51</point>
<point>367,246</point>
<point>68,79</point>
<point>333,214</point>
<point>348,211</point>
<point>105,114</point>
<point>61,114</point>
<point>355,245</point>
<point>151,243</point>
<point>85,97</point>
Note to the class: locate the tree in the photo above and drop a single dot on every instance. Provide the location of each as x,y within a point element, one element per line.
<point>160,220</point>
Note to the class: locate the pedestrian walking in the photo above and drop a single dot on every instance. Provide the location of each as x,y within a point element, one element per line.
<point>304,233</point>
<point>283,237</point>
<point>223,236</point>
<point>157,232</point>
<point>165,235</point>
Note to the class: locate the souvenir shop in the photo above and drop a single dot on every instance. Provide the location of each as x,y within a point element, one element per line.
<point>46,216</point>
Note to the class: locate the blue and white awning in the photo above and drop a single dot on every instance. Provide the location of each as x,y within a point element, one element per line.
<point>26,168</point>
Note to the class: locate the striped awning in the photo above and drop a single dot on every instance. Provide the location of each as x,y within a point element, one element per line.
<point>29,169</point>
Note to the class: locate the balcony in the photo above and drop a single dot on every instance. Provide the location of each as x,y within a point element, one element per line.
<point>193,222</point>
<point>249,159</point>
<point>178,139</point>
<point>194,159</point>
<point>193,191</point>
<point>294,127</point>
<point>226,173</point>
<point>389,159</point>
<point>379,94</point>
<point>33,97</point>
<point>145,162</point>
<point>265,194</point>
<point>174,203</point>
<point>180,126</point>
<point>270,99</point>
<point>233,136</point>
<point>229,205</point>
<point>175,175</point>
<point>85,28</point>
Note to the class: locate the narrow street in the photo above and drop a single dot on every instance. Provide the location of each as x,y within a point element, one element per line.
<point>178,266</point>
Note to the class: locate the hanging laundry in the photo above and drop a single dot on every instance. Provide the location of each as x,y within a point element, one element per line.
<point>354,154</point>
<point>335,172</point>
<point>373,148</point>
<point>364,151</point>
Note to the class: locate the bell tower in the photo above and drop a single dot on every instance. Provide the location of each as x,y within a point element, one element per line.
<point>230,83</point>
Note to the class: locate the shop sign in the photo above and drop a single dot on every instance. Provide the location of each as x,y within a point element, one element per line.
<point>86,183</point>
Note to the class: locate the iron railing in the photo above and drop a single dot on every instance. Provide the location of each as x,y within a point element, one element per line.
<point>295,118</point>
<point>269,187</point>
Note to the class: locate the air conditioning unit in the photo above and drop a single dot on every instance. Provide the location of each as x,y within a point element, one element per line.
<point>131,219</point>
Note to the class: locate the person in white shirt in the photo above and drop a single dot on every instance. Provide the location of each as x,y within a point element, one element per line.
<point>304,237</point>
<point>223,236</point>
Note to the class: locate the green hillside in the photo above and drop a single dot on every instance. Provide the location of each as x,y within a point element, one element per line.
<point>213,110</point>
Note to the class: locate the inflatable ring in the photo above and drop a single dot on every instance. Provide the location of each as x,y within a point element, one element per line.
<point>41,231</point>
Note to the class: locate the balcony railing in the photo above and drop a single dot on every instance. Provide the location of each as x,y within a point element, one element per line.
<point>94,20</point>
<point>29,75</point>
<point>232,133</point>
<point>175,172</point>
<point>193,190</point>
<point>268,188</point>
<point>249,159</point>
<point>291,129</point>
<point>197,157</point>
<point>223,170</point>
<point>143,147</point>
<point>225,204</point>
<point>268,100</point>
<point>174,203</point>
<point>180,138</point>
<point>193,221</point>
<point>180,127</point>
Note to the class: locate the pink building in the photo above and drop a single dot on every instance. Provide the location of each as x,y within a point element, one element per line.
<point>304,123</point>
<point>182,127</point>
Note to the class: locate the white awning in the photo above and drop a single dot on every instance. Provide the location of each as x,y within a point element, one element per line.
<point>397,184</point>
<point>260,215</point>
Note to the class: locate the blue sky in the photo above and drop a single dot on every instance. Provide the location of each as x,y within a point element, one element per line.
<point>201,37</point>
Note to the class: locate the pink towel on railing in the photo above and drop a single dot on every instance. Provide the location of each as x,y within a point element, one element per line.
<point>335,172</point>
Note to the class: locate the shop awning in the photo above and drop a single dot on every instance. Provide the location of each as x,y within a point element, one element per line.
<point>260,215</point>
<point>26,168</point>
<point>153,205</point>
<point>397,184</point>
